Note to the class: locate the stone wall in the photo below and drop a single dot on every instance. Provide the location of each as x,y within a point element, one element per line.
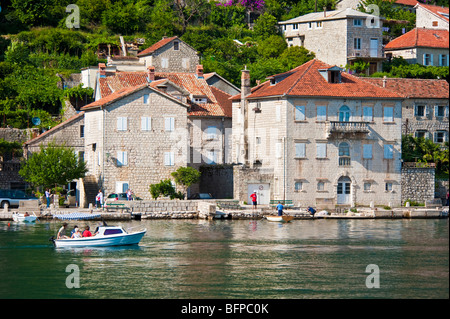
<point>418,184</point>
<point>163,206</point>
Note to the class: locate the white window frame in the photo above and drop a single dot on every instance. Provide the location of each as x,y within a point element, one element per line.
<point>321,150</point>
<point>300,150</point>
<point>300,113</point>
<point>298,186</point>
<point>122,123</point>
<point>319,116</point>
<point>388,151</point>
<point>367,114</point>
<point>146,98</point>
<point>169,158</point>
<point>169,124</point>
<point>367,151</point>
<point>211,133</point>
<point>122,158</point>
<point>388,114</point>
<point>146,123</point>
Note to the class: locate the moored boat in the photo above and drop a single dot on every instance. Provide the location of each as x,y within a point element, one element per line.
<point>281,219</point>
<point>27,218</point>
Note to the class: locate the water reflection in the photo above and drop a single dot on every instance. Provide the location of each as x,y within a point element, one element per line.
<point>234,259</point>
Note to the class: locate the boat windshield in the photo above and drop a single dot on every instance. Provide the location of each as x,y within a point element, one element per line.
<point>112,231</point>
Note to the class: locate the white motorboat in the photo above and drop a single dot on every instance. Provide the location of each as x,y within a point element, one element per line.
<point>281,219</point>
<point>104,236</point>
<point>27,218</point>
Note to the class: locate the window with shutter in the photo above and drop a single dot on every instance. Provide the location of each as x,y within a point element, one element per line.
<point>121,123</point>
<point>146,123</point>
<point>300,113</point>
<point>169,124</point>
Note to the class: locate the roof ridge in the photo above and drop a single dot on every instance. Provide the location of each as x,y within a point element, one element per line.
<point>306,71</point>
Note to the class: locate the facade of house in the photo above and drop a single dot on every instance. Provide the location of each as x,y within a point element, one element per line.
<point>422,46</point>
<point>164,121</point>
<point>338,37</point>
<point>317,136</point>
<point>425,108</point>
<point>135,137</point>
<point>170,55</point>
<point>432,17</point>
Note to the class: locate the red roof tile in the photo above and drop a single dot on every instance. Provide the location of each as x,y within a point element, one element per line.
<point>420,37</point>
<point>217,104</point>
<point>156,46</point>
<point>306,80</point>
<point>410,3</point>
<point>415,88</point>
<point>437,10</point>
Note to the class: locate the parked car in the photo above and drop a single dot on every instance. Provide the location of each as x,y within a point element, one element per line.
<point>201,196</point>
<point>12,197</point>
<point>120,196</point>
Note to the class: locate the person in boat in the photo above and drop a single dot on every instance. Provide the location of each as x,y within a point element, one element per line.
<point>87,232</point>
<point>62,232</point>
<point>73,230</point>
<point>77,233</point>
<point>280,209</point>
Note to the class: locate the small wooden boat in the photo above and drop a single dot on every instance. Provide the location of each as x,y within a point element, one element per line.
<point>26,218</point>
<point>281,219</point>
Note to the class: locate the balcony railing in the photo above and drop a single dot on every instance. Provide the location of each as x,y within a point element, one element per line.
<point>348,127</point>
<point>345,161</point>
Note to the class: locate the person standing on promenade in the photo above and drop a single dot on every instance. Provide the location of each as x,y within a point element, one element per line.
<point>47,196</point>
<point>254,199</point>
<point>99,199</point>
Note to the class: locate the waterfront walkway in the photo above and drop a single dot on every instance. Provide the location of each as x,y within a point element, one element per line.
<point>246,212</point>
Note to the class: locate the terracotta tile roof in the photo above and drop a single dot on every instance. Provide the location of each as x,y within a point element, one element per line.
<point>306,80</point>
<point>415,88</point>
<point>437,10</point>
<point>55,128</point>
<point>420,37</point>
<point>156,46</point>
<point>113,97</point>
<point>217,101</point>
<point>410,3</point>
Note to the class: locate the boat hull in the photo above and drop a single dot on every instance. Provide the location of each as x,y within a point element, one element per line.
<point>280,219</point>
<point>25,219</point>
<point>101,241</point>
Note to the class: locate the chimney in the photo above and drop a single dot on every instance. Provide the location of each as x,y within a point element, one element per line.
<point>384,81</point>
<point>150,73</point>
<point>245,83</point>
<point>199,72</point>
<point>102,70</point>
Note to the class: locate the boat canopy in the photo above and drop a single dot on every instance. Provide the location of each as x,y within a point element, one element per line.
<point>77,216</point>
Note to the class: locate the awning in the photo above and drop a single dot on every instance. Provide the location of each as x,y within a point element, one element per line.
<point>77,216</point>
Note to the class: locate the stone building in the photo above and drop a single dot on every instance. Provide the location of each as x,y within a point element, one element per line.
<point>338,37</point>
<point>422,46</point>
<point>181,121</point>
<point>425,108</point>
<point>317,136</point>
<point>70,133</point>
<point>431,17</point>
<point>170,55</point>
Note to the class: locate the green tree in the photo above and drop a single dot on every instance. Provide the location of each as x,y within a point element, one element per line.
<point>164,188</point>
<point>185,177</point>
<point>54,165</point>
<point>266,26</point>
<point>294,56</point>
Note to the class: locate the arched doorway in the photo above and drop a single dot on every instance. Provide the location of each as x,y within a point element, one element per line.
<point>344,190</point>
